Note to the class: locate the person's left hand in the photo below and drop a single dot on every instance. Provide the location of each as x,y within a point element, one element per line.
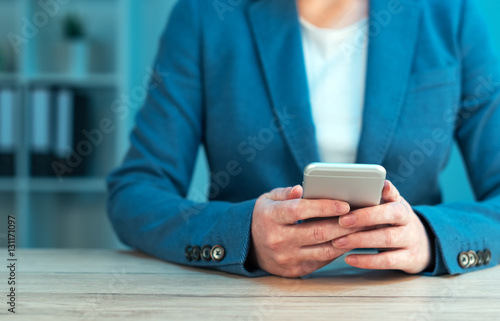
<point>398,231</point>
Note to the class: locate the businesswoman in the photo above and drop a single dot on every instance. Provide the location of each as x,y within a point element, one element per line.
<point>268,86</point>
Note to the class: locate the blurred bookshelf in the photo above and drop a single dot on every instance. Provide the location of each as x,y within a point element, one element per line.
<point>102,66</point>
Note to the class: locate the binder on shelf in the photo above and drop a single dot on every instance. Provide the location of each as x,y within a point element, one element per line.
<point>63,132</point>
<point>40,139</point>
<point>80,141</point>
<point>58,120</point>
<point>7,142</point>
<point>69,119</point>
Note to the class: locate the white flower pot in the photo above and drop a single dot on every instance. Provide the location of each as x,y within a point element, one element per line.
<point>78,53</point>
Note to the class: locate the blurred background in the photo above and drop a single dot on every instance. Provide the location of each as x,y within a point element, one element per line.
<point>72,73</point>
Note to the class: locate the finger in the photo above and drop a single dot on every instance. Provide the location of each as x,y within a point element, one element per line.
<point>391,260</point>
<point>389,193</point>
<point>280,194</point>
<point>394,213</point>
<point>390,237</point>
<point>289,212</point>
<point>317,232</point>
<point>320,252</point>
<point>295,193</point>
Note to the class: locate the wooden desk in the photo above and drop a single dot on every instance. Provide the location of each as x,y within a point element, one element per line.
<point>120,285</point>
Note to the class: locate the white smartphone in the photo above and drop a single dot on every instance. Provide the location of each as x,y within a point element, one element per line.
<point>359,185</point>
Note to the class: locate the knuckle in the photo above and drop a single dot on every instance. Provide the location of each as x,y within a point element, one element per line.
<point>273,241</point>
<point>281,259</point>
<point>400,207</point>
<point>394,211</point>
<point>293,208</point>
<point>274,193</point>
<point>318,234</point>
<point>267,211</point>
<point>389,262</point>
<point>278,214</point>
<point>397,213</point>
<point>263,198</point>
<point>368,217</point>
<point>363,216</point>
<point>390,237</point>
<point>328,253</point>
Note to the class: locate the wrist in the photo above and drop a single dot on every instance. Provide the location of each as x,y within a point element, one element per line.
<point>431,243</point>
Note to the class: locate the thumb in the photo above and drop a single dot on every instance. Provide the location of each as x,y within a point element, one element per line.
<point>390,193</point>
<point>287,193</point>
<point>295,193</point>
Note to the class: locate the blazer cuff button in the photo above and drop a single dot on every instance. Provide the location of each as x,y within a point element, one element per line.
<point>188,253</point>
<point>463,260</point>
<point>487,256</point>
<point>218,253</point>
<point>206,253</point>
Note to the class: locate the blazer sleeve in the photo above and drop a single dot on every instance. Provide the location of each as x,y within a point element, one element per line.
<point>473,226</point>
<point>147,195</point>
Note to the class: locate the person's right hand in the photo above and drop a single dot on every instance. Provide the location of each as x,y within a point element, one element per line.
<point>284,248</point>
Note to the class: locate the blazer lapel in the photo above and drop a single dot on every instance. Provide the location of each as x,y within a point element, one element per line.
<point>390,55</point>
<point>277,34</point>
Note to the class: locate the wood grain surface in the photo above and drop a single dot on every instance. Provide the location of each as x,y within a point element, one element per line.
<point>126,285</point>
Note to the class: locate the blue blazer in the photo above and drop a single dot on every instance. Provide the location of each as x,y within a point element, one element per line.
<point>232,77</point>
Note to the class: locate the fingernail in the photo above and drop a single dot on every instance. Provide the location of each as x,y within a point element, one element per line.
<point>347,220</point>
<point>342,208</point>
<point>351,260</point>
<point>343,241</point>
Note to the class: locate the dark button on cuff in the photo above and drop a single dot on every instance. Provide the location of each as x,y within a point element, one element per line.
<point>195,253</point>
<point>205,253</point>
<point>472,258</point>
<point>188,253</point>
<point>463,260</point>
<point>480,258</point>
<point>218,253</point>
<point>487,256</point>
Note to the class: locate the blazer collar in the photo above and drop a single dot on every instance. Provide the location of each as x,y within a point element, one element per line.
<point>277,35</point>
<point>392,40</point>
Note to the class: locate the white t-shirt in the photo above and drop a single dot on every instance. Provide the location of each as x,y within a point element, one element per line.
<point>336,71</point>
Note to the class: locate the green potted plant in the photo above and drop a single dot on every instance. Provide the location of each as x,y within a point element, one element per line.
<point>73,27</point>
<point>78,47</point>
